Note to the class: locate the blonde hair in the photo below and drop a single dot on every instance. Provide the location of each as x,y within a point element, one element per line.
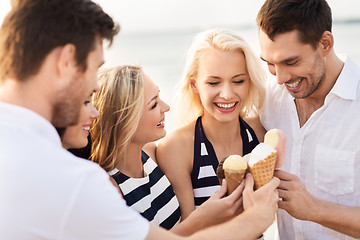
<point>119,102</point>
<point>188,105</point>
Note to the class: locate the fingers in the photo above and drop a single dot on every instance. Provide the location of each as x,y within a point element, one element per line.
<point>272,184</point>
<point>285,185</point>
<point>238,205</point>
<point>283,205</point>
<point>283,194</point>
<point>285,176</point>
<point>220,192</point>
<point>236,194</point>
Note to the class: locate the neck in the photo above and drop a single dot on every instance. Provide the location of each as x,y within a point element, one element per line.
<point>222,133</point>
<point>307,106</point>
<point>132,165</point>
<point>27,94</point>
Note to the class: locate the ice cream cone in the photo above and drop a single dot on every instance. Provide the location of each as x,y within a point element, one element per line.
<point>263,171</point>
<point>233,179</point>
<point>234,170</point>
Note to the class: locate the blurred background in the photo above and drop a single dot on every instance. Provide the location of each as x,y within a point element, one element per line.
<point>157,33</point>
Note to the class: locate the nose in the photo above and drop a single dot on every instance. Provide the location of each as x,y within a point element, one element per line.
<point>164,107</point>
<point>282,75</point>
<point>94,112</point>
<point>226,91</point>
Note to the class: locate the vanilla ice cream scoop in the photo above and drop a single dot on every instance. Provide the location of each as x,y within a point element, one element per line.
<point>259,153</point>
<point>235,163</point>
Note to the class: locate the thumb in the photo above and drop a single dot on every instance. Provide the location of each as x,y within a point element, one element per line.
<point>249,182</point>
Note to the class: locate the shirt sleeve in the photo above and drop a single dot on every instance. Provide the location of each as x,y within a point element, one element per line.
<point>97,211</point>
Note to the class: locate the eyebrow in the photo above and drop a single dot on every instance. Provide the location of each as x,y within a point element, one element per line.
<point>238,75</point>
<point>283,61</point>
<point>152,99</point>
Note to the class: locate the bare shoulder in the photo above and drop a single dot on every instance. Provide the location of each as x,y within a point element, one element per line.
<point>179,138</point>
<point>177,145</point>
<point>150,149</point>
<point>255,124</point>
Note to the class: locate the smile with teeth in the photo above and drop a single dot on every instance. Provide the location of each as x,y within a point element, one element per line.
<point>225,105</point>
<point>294,84</point>
<point>86,128</point>
<point>160,124</point>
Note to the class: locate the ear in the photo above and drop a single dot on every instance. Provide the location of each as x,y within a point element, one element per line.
<point>193,86</point>
<point>66,62</point>
<point>326,43</point>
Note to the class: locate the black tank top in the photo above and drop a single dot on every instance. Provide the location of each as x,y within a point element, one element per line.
<point>203,175</point>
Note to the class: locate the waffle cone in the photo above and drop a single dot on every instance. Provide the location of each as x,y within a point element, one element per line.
<point>263,171</point>
<point>233,179</point>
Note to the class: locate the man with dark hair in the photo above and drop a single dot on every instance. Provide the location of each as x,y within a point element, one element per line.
<point>315,100</point>
<point>50,51</point>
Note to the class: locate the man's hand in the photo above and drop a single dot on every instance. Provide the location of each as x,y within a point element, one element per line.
<point>296,200</point>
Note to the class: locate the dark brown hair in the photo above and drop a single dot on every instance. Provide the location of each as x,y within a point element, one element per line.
<point>33,28</point>
<point>310,17</point>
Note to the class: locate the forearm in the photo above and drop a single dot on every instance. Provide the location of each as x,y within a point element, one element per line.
<point>190,225</point>
<point>338,217</point>
<point>248,225</point>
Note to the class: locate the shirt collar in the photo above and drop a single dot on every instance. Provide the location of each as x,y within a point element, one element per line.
<point>28,120</point>
<point>347,83</point>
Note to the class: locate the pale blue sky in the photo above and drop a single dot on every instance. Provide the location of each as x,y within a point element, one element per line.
<point>148,15</point>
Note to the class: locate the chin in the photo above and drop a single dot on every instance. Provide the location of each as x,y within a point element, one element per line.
<point>160,136</point>
<point>229,118</point>
<point>82,144</point>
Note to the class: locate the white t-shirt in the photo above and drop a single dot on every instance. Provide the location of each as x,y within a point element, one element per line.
<point>324,153</point>
<point>47,193</point>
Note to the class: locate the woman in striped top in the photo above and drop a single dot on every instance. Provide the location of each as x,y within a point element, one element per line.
<point>131,116</point>
<point>222,88</point>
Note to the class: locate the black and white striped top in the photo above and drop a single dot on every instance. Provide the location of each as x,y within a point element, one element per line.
<point>152,196</point>
<point>203,175</point>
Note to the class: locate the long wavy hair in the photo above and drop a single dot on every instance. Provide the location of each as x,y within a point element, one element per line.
<point>119,102</point>
<point>187,103</point>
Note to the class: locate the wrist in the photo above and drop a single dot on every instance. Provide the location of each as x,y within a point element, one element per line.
<point>259,217</point>
<point>318,212</point>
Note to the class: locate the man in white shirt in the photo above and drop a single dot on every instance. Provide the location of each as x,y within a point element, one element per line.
<point>315,100</point>
<point>50,52</point>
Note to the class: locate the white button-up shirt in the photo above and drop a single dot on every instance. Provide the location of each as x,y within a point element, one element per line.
<point>324,153</point>
<point>48,193</point>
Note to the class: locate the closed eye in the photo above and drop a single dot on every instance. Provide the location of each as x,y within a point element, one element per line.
<point>213,83</point>
<point>292,63</point>
<point>154,106</point>
<point>238,81</point>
